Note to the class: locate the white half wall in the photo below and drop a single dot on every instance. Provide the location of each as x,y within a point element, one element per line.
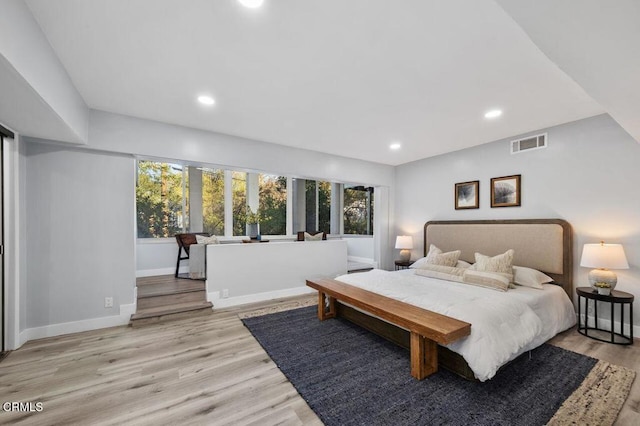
<point>586,175</point>
<point>359,247</point>
<point>80,235</point>
<point>272,269</point>
<point>157,256</point>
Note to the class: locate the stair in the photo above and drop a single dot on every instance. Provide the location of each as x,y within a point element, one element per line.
<point>167,298</point>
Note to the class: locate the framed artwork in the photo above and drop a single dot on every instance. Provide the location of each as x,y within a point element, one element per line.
<point>467,195</point>
<point>505,191</point>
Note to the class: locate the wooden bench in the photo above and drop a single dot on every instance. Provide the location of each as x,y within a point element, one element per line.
<point>426,328</point>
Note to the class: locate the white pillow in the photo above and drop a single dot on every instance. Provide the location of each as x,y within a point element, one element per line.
<point>462,264</point>
<point>419,263</point>
<point>529,277</point>
<point>201,239</point>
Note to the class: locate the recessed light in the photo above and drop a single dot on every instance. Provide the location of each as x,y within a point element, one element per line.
<point>251,4</point>
<point>395,146</point>
<point>494,113</point>
<point>206,100</point>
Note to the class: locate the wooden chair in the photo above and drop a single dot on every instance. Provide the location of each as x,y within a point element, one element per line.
<point>184,241</point>
<point>301,235</point>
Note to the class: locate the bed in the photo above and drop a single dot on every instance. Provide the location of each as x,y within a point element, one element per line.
<point>504,325</point>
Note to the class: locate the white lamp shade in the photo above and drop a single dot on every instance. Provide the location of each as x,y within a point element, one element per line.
<point>404,242</point>
<point>604,256</point>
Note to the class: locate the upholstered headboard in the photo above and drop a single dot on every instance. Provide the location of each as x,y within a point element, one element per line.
<point>542,244</point>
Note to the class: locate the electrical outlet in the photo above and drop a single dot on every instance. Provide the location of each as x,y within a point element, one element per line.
<point>225,293</point>
<point>108,302</point>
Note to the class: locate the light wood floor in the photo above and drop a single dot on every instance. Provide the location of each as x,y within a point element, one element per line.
<point>202,370</point>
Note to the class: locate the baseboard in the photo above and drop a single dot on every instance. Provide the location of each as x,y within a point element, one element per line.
<point>606,324</point>
<point>78,326</point>
<point>218,302</point>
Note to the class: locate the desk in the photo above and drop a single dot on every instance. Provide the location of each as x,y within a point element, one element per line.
<point>620,297</point>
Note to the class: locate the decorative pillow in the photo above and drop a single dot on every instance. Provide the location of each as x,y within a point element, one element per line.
<point>529,277</point>
<point>437,257</point>
<point>201,239</point>
<point>309,237</point>
<point>441,272</point>
<point>501,263</point>
<point>433,250</point>
<point>492,280</point>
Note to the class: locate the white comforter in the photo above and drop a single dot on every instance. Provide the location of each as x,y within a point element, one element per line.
<point>503,324</point>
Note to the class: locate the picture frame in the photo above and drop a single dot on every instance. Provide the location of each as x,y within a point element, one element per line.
<point>467,195</point>
<point>505,191</point>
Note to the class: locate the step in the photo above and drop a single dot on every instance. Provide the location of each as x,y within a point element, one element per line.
<point>177,311</point>
<point>171,299</point>
<point>169,287</point>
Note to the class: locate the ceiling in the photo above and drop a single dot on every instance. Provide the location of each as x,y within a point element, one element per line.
<point>342,77</point>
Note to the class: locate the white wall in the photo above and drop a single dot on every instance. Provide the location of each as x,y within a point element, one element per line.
<point>39,98</point>
<point>80,234</point>
<point>157,257</point>
<point>359,246</point>
<point>123,134</point>
<point>587,175</point>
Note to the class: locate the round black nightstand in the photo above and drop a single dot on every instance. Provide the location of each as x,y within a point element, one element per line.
<point>403,264</point>
<point>620,297</point>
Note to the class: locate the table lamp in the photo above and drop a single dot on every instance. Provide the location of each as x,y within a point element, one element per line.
<point>405,244</point>
<point>603,257</point>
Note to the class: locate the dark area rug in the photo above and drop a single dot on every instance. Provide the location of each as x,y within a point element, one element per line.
<point>350,376</point>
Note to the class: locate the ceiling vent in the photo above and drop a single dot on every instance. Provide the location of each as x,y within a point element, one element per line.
<point>529,143</point>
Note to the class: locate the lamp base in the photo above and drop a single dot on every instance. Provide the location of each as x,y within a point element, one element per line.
<point>602,276</point>
<point>405,255</point>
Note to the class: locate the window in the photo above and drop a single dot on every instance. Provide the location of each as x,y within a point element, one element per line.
<point>324,207</point>
<point>173,198</point>
<point>213,201</point>
<point>273,204</point>
<point>239,191</point>
<point>358,210</point>
<point>312,206</point>
<point>162,199</point>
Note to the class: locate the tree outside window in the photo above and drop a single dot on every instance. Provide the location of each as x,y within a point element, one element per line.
<point>160,192</point>
<point>213,201</point>
<point>358,210</point>
<point>273,204</point>
<point>324,207</point>
<point>239,191</point>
